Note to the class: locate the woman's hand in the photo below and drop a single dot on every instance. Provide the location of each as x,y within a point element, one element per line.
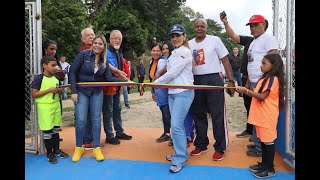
<point>74,98</point>
<point>154,97</point>
<point>155,77</point>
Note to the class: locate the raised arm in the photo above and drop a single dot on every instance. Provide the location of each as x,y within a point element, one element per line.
<point>229,30</point>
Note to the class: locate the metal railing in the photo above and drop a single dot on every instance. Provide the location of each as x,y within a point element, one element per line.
<point>33,44</point>
<point>284,31</point>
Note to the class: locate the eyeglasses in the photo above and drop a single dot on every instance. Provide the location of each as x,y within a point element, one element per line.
<point>116,38</point>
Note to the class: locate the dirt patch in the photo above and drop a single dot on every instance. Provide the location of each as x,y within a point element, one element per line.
<point>145,113</point>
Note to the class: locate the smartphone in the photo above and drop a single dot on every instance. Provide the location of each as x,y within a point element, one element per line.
<point>223,14</point>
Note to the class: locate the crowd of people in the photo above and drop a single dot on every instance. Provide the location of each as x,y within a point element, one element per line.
<point>202,60</point>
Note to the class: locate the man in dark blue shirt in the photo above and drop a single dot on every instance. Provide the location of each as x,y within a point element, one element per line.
<point>141,73</point>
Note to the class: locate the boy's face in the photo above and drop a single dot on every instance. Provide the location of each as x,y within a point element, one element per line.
<point>51,67</point>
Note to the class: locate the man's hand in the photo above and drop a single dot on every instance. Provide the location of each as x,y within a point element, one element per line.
<point>223,17</point>
<point>122,75</point>
<point>231,90</point>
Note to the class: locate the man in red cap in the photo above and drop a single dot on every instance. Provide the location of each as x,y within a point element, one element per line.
<point>253,150</point>
<point>256,19</point>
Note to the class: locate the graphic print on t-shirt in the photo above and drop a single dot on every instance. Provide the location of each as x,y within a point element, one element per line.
<point>250,53</point>
<point>198,56</point>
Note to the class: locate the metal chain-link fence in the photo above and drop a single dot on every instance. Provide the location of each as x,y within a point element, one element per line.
<point>284,31</point>
<point>32,53</point>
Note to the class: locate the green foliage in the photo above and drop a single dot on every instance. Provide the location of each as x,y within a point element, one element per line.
<point>134,35</point>
<point>140,21</point>
<point>62,21</point>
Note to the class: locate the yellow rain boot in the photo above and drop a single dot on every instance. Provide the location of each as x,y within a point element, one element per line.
<point>77,154</point>
<point>98,154</point>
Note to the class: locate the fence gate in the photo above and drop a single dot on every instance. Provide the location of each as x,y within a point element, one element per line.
<point>284,31</point>
<point>33,53</point>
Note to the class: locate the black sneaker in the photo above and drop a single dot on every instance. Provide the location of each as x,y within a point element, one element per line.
<point>243,134</point>
<point>264,173</point>
<point>251,146</point>
<point>170,143</point>
<point>52,158</point>
<point>254,152</point>
<point>163,137</point>
<point>256,167</point>
<point>127,106</point>
<point>250,139</point>
<point>112,140</point>
<point>61,154</point>
<point>124,136</point>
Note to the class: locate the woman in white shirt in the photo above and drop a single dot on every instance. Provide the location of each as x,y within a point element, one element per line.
<point>179,71</point>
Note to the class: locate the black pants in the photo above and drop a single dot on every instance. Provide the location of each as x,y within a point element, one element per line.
<point>213,102</point>
<point>247,103</point>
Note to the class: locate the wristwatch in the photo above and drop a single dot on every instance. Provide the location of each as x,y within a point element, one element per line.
<point>232,81</point>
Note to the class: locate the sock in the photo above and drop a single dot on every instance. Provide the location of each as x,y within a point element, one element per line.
<point>269,156</point>
<point>56,142</point>
<point>47,139</point>
<point>56,139</point>
<point>263,149</point>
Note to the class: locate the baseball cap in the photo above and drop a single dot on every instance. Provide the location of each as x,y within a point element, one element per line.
<point>177,29</point>
<point>256,19</point>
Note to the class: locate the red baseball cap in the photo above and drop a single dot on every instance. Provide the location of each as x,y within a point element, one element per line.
<point>256,19</point>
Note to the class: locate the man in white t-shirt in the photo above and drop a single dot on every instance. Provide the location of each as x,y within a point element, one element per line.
<point>65,67</point>
<point>261,45</point>
<point>208,53</point>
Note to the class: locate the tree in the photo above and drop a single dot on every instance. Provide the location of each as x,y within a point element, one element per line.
<point>125,19</point>
<point>62,21</point>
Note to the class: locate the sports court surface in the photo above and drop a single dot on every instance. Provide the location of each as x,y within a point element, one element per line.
<point>143,158</point>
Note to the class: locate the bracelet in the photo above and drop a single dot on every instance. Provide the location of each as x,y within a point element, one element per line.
<point>248,91</point>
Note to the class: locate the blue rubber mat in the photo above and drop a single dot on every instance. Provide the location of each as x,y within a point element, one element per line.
<point>37,167</point>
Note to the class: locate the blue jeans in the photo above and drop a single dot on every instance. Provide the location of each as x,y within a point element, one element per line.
<point>254,137</point>
<point>94,103</point>
<point>179,105</point>
<point>111,111</point>
<point>125,94</point>
<point>189,126</point>
<point>87,137</point>
<point>64,90</point>
<point>237,76</point>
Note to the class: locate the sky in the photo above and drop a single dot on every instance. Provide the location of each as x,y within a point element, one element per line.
<point>238,12</point>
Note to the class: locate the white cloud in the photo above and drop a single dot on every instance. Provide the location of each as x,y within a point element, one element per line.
<point>238,11</point>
